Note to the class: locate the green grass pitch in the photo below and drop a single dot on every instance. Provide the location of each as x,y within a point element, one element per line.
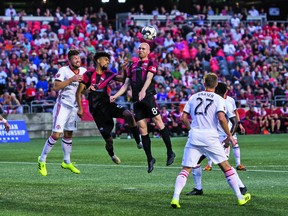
<point>104,188</point>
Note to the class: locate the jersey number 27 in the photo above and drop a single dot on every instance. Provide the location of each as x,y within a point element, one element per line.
<point>209,103</point>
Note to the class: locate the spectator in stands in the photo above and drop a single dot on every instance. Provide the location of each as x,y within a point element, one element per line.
<point>50,101</point>
<point>30,93</point>
<point>210,11</point>
<point>229,48</point>
<point>17,108</point>
<point>141,10</point>
<point>10,11</point>
<point>251,124</point>
<point>268,88</point>
<point>263,120</point>
<point>274,119</point>
<point>284,117</point>
<point>176,121</point>
<point>174,10</point>
<point>253,12</point>
<point>235,21</point>
<point>3,77</point>
<point>64,21</point>
<point>161,94</point>
<point>55,24</point>
<point>169,43</point>
<point>43,84</point>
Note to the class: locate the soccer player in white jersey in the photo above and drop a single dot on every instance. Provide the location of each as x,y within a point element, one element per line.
<point>236,149</point>
<point>221,90</point>
<point>206,109</point>
<point>65,112</point>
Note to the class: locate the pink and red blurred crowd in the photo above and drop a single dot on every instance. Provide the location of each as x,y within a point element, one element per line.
<point>251,57</point>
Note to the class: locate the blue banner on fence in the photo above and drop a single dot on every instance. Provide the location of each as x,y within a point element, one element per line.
<point>17,133</point>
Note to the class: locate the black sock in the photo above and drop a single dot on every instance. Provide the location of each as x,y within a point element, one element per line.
<point>109,147</point>
<point>147,146</point>
<point>135,133</point>
<point>166,138</point>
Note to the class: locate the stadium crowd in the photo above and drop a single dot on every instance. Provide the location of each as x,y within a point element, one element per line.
<point>251,57</point>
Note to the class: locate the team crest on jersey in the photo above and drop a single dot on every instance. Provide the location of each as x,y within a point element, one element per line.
<point>58,127</point>
<point>57,75</point>
<point>153,68</point>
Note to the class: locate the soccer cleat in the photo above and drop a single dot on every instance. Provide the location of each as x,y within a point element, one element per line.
<point>115,159</point>
<point>151,165</point>
<point>245,199</point>
<point>170,159</point>
<point>140,145</point>
<point>243,190</point>
<point>241,167</point>
<point>42,167</point>
<point>195,192</point>
<point>175,203</point>
<point>207,168</point>
<point>71,167</point>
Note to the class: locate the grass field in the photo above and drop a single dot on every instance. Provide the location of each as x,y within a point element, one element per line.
<point>104,188</point>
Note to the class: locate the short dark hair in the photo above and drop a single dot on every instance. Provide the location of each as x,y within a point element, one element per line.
<point>221,89</point>
<point>72,52</point>
<point>101,54</point>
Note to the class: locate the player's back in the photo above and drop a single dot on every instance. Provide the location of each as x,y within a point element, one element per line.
<point>203,108</point>
<point>229,112</point>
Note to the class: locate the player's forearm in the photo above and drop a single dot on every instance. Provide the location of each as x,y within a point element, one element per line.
<point>185,121</point>
<point>224,125</point>
<point>121,91</point>
<point>61,85</point>
<point>147,82</point>
<point>2,119</point>
<point>234,125</point>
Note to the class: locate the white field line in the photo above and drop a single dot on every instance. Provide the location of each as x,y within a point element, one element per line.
<point>158,167</point>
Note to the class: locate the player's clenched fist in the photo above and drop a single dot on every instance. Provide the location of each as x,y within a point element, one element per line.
<point>77,78</point>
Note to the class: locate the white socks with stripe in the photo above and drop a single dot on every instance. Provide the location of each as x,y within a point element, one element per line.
<point>67,148</point>
<point>180,183</point>
<point>49,144</point>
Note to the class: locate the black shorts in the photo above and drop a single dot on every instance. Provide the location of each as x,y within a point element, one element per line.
<point>146,108</point>
<point>103,116</point>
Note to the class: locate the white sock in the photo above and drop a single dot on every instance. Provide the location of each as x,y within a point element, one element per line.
<point>49,144</point>
<point>197,176</point>
<point>232,180</point>
<point>180,183</point>
<point>240,183</point>
<point>209,162</point>
<point>236,152</point>
<point>67,148</point>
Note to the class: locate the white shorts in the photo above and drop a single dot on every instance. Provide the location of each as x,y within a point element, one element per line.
<point>214,151</point>
<point>64,118</point>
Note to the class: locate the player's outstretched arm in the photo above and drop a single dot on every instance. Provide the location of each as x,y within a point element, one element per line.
<point>121,91</point>
<point>79,91</point>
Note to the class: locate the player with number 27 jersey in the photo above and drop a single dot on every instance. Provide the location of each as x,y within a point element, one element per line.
<point>202,108</point>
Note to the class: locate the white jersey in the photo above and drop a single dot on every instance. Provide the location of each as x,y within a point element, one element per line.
<point>67,95</point>
<point>229,114</point>
<point>203,108</point>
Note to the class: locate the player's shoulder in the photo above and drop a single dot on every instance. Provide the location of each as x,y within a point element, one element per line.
<point>64,69</point>
<point>82,70</point>
<point>230,99</point>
